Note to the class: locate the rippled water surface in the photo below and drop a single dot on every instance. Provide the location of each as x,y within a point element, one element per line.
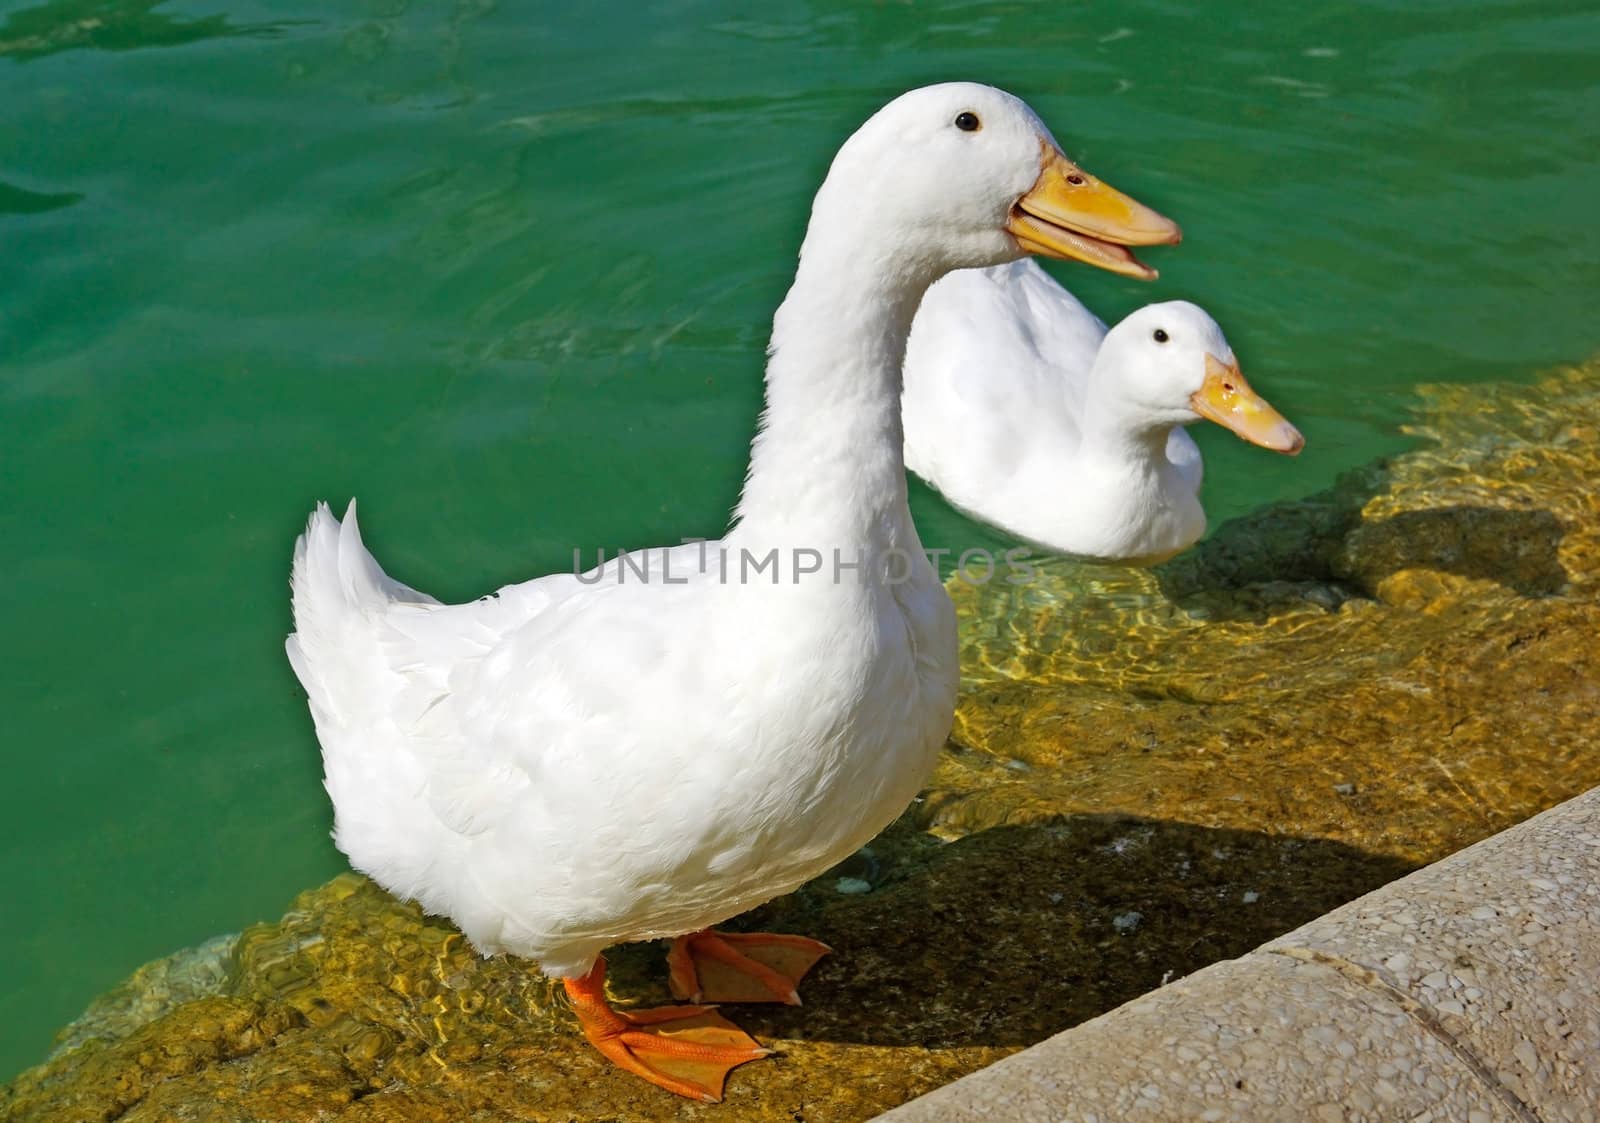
<point>506,273</point>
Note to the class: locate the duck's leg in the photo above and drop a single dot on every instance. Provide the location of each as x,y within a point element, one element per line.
<point>684,1049</point>
<point>740,966</point>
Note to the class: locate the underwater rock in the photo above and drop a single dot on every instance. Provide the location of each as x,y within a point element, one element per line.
<point>64,25</point>
<point>1402,663</point>
<point>358,1007</point>
<point>1318,699</point>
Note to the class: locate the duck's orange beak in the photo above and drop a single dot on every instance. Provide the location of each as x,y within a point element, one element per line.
<point>1226,398</point>
<point>1070,214</point>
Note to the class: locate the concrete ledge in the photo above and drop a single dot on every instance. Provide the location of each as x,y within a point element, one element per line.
<point>1467,991</point>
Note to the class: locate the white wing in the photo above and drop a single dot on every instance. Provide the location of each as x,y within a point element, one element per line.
<point>996,366</point>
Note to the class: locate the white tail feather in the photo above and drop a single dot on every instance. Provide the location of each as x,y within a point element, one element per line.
<point>341,596</point>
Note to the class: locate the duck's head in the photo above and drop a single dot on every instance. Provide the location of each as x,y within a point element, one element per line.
<point>1170,365</point>
<point>962,175</point>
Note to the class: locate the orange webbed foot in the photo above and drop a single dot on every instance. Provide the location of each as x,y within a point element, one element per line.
<point>688,1050</point>
<point>741,966</point>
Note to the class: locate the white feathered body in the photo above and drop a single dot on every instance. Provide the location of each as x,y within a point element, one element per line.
<point>563,766</point>
<point>998,418</point>
<point>577,762</point>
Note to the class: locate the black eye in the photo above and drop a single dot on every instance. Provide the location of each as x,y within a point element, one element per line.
<point>1161,335</point>
<point>968,122</point>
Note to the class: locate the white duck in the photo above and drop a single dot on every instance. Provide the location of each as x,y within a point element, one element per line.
<point>1027,415</point>
<point>579,761</point>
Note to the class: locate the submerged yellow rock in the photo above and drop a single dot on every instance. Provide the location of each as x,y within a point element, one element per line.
<point>1151,770</point>
<point>1402,663</point>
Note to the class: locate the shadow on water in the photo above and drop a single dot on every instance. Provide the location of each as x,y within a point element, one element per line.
<point>19,200</point>
<point>1021,931</point>
<point>1517,549</point>
<point>110,25</point>
<point>1292,542</point>
<point>1324,549</point>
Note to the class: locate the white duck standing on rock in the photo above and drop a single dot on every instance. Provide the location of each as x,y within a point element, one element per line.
<point>576,762</point>
<point>1027,415</point>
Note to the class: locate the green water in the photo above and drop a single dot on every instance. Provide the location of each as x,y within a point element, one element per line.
<point>506,272</point>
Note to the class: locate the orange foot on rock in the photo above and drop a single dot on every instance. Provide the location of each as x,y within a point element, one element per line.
<point>741,966</point>
<point>684,1049</point>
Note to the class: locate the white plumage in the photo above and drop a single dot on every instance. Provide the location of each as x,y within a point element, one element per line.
<point>1017,413</point>
<point>580,761</point>
<point>565,765</point>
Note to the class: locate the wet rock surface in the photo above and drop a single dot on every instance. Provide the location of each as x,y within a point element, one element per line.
<point>1400,664</point>
<point>1151,771</point>
<point>1461,992</point>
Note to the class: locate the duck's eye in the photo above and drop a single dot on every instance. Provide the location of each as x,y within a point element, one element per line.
<point>968,122</point>
<point>1161,335</point>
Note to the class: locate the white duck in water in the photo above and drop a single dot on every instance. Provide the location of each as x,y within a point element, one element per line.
<point>1027,415</point>
<point>581,761</point>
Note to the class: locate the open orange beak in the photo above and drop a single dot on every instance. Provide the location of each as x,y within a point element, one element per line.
<point>1226,398</point>
<point>1069,214</point>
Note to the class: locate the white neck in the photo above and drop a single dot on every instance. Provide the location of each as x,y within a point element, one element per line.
<point>826,468</point>
<point>1117,431</point>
